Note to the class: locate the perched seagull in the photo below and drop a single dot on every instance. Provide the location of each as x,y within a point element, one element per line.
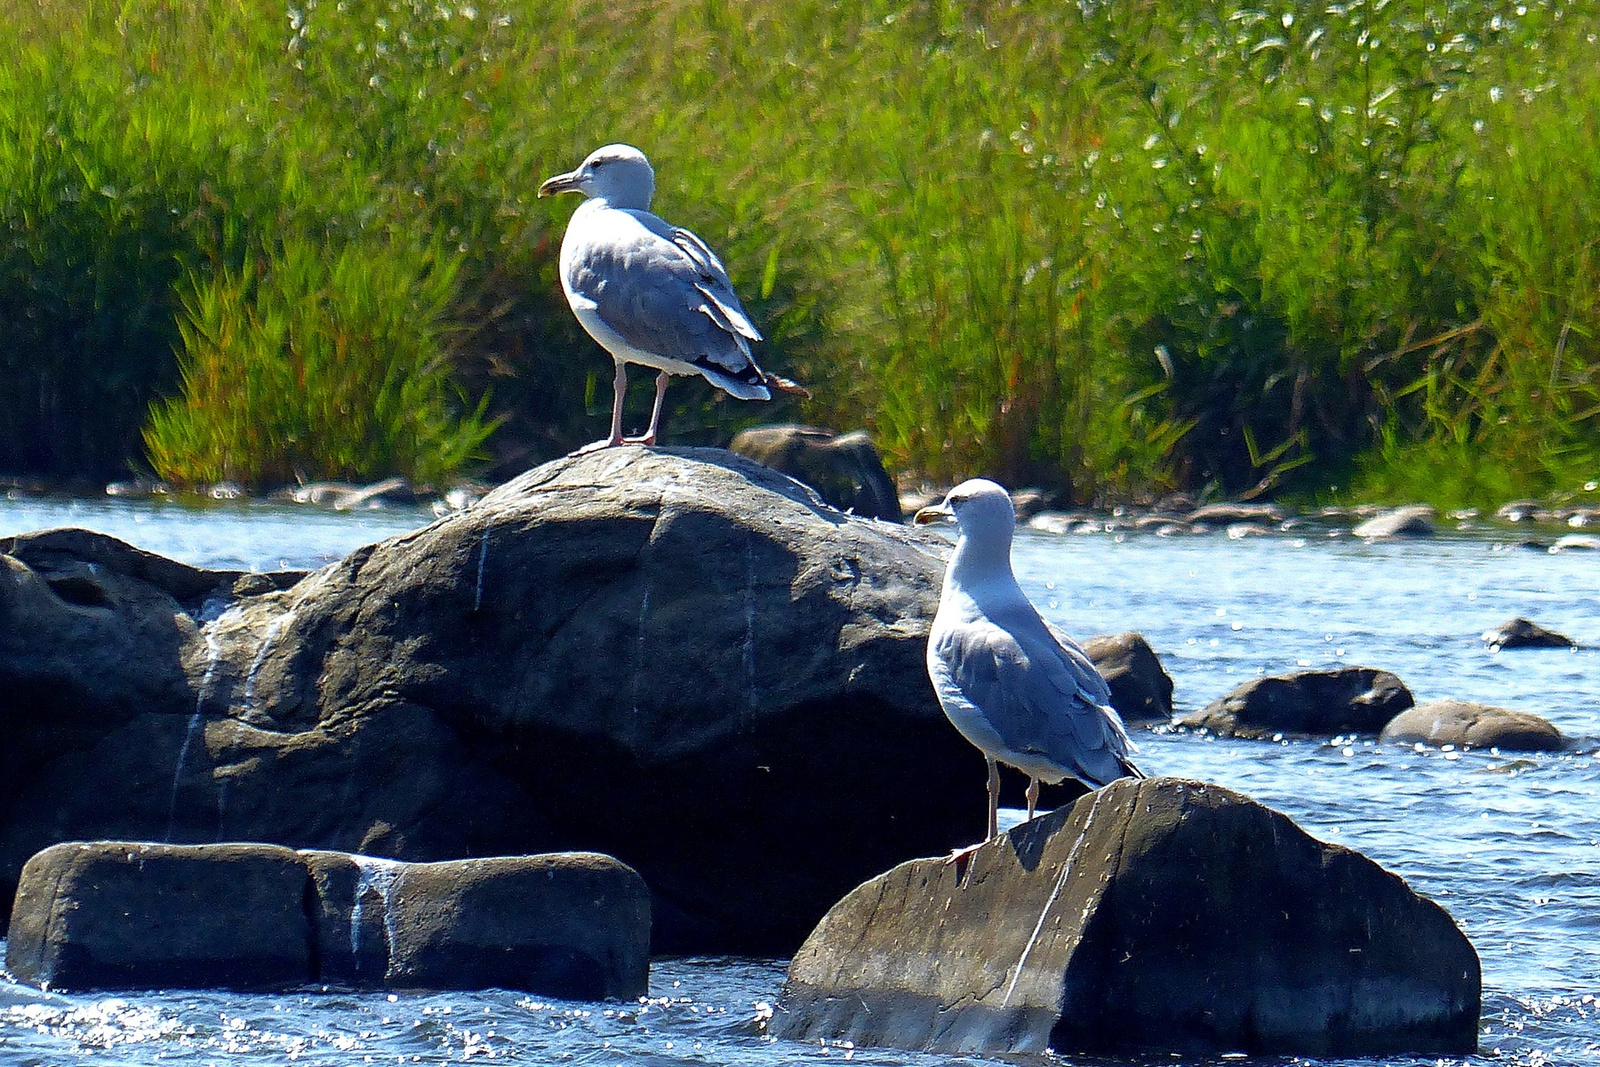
<point>650,292</point>
<point>1025,694</point>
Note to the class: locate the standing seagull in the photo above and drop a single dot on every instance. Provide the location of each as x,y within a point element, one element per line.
<point>1027,696</point>
<point>649,292</point>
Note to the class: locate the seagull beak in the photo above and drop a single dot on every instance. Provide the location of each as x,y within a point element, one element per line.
<point>561,183</point>
<point>933,513</point>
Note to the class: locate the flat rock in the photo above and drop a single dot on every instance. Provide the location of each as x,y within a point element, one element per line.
<point>1358,700</point>
<point>128,915</point>
<point>1468,725</point>
<point>1228,514</point>
<point>573,925</point>
<point>1522,633</point>
<point>845,469</point>
<point>1415,520</point>
<point>134,915</point>
<point>1141,689</point>
<point>1153,917</point>
<point>592,658</point>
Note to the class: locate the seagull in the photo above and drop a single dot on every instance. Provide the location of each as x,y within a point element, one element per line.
<point>649,292</point>
<point>1022,692</point>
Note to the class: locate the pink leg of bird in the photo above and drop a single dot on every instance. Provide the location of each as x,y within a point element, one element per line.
<point>1033,796</point>
<point>619,391</point>
<point>649,436</point>
<point>959,856</point>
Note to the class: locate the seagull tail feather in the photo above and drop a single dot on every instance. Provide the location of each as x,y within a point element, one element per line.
<point>784,385</point>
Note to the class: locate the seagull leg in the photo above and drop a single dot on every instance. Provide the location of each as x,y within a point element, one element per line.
<point>619,391</point>
<point>994,799</point>
<point>649,436</point>
<point>1033,796</point>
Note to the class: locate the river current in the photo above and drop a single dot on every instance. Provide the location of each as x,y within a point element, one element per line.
<point>1509,844</point>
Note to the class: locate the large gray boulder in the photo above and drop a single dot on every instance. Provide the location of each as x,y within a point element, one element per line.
<point>676,657</point>
<point>1358,700</point>
<point>135,915</point>
<point>1470,725</point>
<point>1153,917</point>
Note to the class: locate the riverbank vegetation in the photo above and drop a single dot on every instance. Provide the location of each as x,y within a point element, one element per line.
<point>1321,250</point>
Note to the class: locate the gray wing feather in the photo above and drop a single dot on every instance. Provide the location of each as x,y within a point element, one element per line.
<point>664,292</point>
<point>1040,697</point>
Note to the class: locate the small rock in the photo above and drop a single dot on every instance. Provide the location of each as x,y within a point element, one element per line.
<point>1518,511</point>
<point>1141,691</point>
<point>1468,725</point>
<point>1359,700</point>
<point>1027,503</point>
<point>1521,633</point>
<point>226,491</point>
<point>1240,530</point>
<point>1152,917</point>
<point>1228,514</point>
<point>390,491</point>
<point>845,470</point>
<point>1576,543</point>
<point>1054,522</point>
<point>138,488</point>
<point>1413,521</point>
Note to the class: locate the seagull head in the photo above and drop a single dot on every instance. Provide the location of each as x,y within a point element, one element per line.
<point>983,511</point>
<point>618,174</point>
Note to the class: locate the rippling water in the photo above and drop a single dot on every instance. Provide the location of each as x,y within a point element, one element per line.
<point>1509,844</point>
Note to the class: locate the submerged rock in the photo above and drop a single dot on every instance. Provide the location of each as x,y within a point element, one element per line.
<point>676,657</point>
<point>134,915</point>
<point>845,470</point>
<point>1521,633</point>
<point>1152,917</point>
<point>1468,725</point>
<point>1228,514</point>
<point>1141,690</point>
<point>1358,700</point>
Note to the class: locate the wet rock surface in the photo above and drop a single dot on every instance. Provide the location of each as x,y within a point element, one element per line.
<point>591,658</point>
<point>135,915</point>
<point>1522,633</point>
<point>1469,725</point>
<point>1153,917</point>
<point>1141,690</point>
<point>1358,700</point>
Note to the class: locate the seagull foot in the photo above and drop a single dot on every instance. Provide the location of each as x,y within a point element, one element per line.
<point>646,439</point>
<point>961,858</point>
<point>598,446</point>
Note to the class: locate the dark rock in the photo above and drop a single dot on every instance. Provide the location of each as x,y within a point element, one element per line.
<point>592,658</point>
<point>1359,700</point>
<point>1521,633</point>
<point>572,925</point>
<point>119,915</point>
<point>1141,691</point>
<point>1229,514</point>
<point>1154,917</point>
<point>1468,725</point>
<point>1519,511</point>
<point>1027,503</point>
<point>845,470</point>
<point>1413,521</point>
<point>108,914</point>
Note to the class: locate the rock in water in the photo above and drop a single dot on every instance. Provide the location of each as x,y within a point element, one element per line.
<point>676,657</point>
<point>1359,700</point>
<point>1465,724</point>
<point>1524,633</point>
<point>1141,689</point>
<point>845,470</point>
<point>133,915</point>
<point>121,915</point>
<point>1152,917</point>
<point>1415,520</point>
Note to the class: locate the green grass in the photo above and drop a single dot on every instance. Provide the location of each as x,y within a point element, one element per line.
<point>1112,248</point>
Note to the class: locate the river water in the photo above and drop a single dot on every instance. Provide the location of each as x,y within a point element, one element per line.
<point>1509,844</point>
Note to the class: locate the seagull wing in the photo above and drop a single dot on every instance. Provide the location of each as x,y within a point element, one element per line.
<point>1041,699</point>
<point>665,294</point>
